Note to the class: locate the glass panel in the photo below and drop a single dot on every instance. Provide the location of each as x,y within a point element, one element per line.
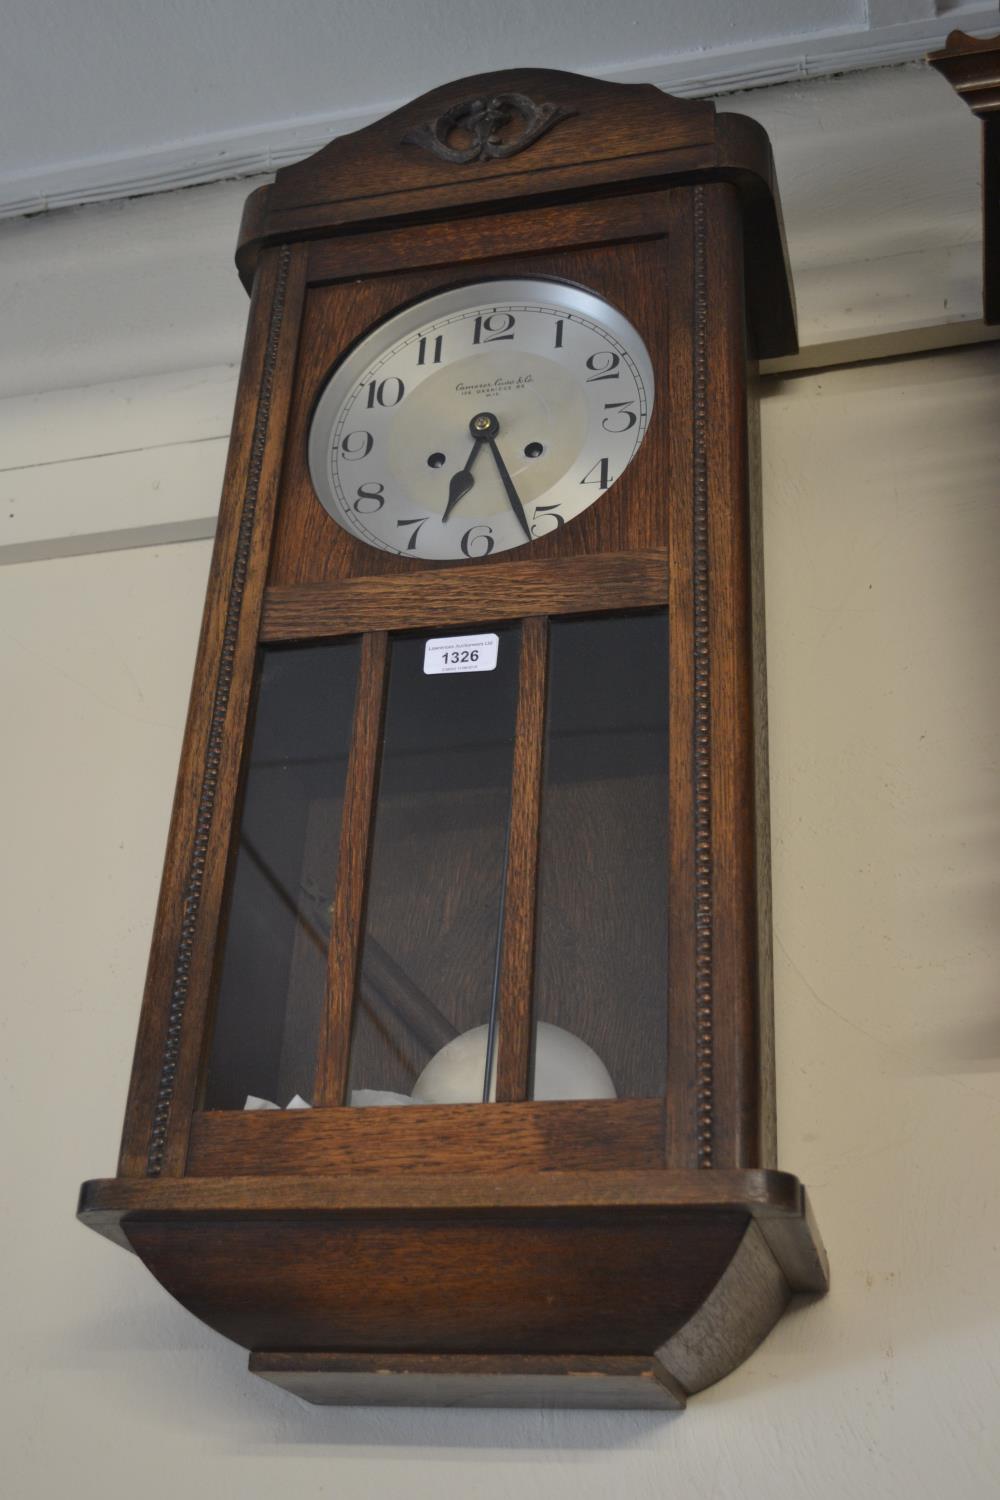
<point>429,959</point>
<point>601,944</point>
<point>273,972</point>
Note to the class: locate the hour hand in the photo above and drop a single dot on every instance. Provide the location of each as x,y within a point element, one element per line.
<point>462,482</point>
<point>483,427</point>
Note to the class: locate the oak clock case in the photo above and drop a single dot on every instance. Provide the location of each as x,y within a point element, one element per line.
<point>454,1077</point>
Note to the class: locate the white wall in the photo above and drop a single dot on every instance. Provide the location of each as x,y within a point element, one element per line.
<point>883,571</point>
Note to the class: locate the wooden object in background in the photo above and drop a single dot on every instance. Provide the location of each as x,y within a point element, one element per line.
<point>972,67</point>
<point>576,1252</point>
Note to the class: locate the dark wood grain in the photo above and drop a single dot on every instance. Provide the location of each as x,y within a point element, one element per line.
<point>372,175</point>
<point>734,996</point>
<point>764,1195</point>
<point>440,246</point>
<point>622,1134</point>
<point>765,1081</point>
<point>686,441</point>
<point>452,596</point>
<point>599,129</point>
<point>701,1288</point>
<point>534,1283</point>
<point>517,941</point>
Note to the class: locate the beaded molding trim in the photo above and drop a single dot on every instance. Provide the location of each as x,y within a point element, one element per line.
<point>704,999</point>
<point>213,750</point>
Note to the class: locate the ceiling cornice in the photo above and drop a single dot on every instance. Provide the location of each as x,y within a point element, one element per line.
<point>273,144</point>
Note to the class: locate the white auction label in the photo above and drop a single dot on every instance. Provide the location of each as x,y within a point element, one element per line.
<point>461,653</point>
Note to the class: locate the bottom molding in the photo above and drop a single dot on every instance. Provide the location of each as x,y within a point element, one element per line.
<point>576,1289</point>
<point>629,1382</point>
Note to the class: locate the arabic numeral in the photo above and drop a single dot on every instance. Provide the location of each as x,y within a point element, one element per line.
<point>435,350</point>
<point>559,332</point>
<point>475,536</point>
<point>371,497</point>
<point>357,444</point>
<point>416,522</point>
<point>598,474</point>
<point>548,513</point>
<point>493,327</point>
<point>622,409</point>
<point>604,365</point>
<point>388,392</point>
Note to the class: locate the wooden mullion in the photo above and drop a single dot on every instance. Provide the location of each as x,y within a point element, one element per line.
<point>347,913</point>
<point>517,936</point>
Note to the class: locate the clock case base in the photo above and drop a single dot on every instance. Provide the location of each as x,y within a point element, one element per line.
<point>562,1289</point>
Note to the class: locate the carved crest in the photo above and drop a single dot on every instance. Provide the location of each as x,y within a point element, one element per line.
<point>479,127</point>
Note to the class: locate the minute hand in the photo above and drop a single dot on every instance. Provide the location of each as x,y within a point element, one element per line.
<point>508,484</point>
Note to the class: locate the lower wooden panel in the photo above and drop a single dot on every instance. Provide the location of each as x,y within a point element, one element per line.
<point>591,1282</point>
<point>599,1134</point>
<point>475,1380</point>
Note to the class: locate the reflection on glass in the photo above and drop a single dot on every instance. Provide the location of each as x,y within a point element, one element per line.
<point>428,963</point>
<point>273,973</point>
<point>601,943</point>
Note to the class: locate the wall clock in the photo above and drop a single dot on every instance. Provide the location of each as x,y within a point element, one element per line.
<point>454,1077</point>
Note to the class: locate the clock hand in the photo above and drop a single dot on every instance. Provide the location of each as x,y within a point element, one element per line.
<point>508,484</point>
<point>462,482</point>
<point>484,426</point>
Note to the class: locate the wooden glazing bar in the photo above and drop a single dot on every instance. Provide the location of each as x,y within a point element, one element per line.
<point>517,936</point>
<point>347,913</point>
<point>451,596</point>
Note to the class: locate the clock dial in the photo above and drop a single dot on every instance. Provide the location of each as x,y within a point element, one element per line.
<point>480,419</point>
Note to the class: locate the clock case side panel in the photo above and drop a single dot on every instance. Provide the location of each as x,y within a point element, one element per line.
<point>172,1020</point>
<point>732,988</point>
